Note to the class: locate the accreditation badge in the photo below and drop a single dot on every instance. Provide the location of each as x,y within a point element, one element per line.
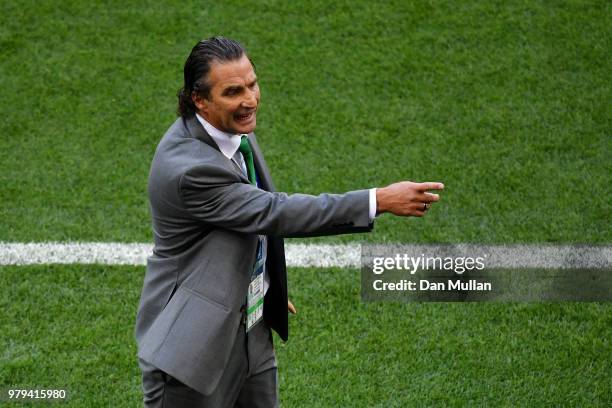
<point>255,297</point>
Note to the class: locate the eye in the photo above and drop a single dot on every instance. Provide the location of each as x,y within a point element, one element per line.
<point>232,91</point>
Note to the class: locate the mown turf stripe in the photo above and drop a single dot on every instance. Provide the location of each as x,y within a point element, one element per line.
<point>305,255</point>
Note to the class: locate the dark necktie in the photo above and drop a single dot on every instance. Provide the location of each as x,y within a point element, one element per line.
<point>247,153</point>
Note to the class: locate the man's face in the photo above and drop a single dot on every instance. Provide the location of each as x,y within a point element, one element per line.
<point>234,96</point>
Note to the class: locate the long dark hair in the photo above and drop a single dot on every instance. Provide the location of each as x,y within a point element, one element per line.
<point>197,66</point>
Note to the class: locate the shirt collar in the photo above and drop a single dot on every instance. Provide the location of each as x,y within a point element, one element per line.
<point>228,143</point>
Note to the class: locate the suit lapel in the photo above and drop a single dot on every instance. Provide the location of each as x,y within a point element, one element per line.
<point>196,129</point>
<point>260,165</point>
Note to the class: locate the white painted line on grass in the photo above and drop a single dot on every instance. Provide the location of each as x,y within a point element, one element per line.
<point>107,253</point>
<point>315,255</point>
<point>323,256</point>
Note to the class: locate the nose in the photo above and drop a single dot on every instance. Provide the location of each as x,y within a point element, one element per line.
<point>250,100</point>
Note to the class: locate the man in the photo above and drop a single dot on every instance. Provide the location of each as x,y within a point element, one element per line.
<point>216,283</point>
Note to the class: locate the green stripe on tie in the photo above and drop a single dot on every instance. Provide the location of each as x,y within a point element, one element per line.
<point>245,149</point>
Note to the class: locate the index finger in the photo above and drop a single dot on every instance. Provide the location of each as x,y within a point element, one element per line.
<point>430,186</point>
<point>291,307</point>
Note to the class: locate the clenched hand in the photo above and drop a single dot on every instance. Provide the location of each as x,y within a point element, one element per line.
<point>407,198</point>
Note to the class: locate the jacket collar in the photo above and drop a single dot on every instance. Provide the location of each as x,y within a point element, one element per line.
<point>196,129</point>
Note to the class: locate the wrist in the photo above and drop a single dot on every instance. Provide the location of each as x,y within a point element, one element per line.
<point>380,200</point>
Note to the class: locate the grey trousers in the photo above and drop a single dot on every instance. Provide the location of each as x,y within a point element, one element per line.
<point>249,380</point>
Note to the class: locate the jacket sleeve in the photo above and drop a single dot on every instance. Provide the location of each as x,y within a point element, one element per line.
<point>216,196</point>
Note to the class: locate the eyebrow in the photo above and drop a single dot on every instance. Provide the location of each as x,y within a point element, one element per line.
<point>236,88</point>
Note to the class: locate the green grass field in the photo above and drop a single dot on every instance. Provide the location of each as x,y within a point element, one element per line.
<point>71,327</point>
<point>508,103</point>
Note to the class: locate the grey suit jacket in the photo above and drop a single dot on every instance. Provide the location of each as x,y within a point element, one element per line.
<point>206,218</point>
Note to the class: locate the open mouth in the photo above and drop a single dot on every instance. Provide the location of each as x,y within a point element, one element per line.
<point>244,117</point>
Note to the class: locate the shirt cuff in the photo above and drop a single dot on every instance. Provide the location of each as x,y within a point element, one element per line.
<point>372,204</point>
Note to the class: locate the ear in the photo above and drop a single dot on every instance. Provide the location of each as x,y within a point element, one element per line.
<point>200,103</point>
